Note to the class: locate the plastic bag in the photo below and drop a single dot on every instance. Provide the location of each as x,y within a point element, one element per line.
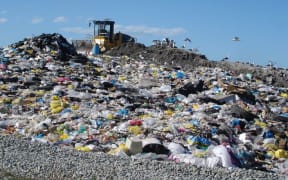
<point>221,152</point>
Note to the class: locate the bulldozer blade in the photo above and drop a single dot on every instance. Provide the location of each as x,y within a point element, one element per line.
<point>82,46</point>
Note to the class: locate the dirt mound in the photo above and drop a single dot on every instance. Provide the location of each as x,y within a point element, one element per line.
<point>188,60</point>
<point>127,49</point>
<point>160,55</point>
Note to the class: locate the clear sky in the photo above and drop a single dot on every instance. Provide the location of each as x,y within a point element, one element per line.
<point>261,25</point>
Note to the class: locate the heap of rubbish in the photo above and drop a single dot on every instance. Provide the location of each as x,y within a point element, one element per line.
<point>138,108</point>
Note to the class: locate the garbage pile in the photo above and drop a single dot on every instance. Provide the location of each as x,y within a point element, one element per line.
<point>188,60</point>
<point>53,46</point>
<point>134,108</point>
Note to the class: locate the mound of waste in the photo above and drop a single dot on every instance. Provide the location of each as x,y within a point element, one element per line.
<point>189,60</point>
<point>53,46</point>
<point>145,102</point>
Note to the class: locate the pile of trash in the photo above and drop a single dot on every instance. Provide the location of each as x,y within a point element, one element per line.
<point>133,107</point>
<point>48,46</point>
<point>187,59</point>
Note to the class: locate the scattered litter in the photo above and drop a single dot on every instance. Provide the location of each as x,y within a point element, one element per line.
<point>126,106</point>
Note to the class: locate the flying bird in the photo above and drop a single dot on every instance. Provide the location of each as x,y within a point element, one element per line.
<point>187,39</point>
<point>236,38</point>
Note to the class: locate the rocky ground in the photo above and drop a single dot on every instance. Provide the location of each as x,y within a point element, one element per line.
<point>22,159</point>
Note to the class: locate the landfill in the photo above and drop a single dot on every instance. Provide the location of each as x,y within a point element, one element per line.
<point>151,103</point>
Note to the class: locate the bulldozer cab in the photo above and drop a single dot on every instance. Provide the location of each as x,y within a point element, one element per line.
<point>104,34</point>
<point>104,29</point>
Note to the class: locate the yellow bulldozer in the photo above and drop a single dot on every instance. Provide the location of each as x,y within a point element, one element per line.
<point>103,39</point>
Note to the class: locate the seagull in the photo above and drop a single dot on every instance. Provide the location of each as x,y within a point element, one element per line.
<point>187,39</point>
<point>236,39</point>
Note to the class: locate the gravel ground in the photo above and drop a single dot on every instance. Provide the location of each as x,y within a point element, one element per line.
<point>20,159</point>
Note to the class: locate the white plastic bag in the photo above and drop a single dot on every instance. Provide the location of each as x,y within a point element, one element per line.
<point>221,152</point>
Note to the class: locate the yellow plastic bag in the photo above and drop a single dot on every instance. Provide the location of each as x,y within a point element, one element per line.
<point>136,130</point>
<point>284,95</point>
<point>189,126</point>
<point>83,148</point>
<point>259,123</point>
<point>281,153</point>
<point>121,147</point>
<point>55,98</point>
<point>57,109</point>
<point>55,104</point>
<point>169,112</point>
<point>64,136</point>
<point>75,107</point>
<point>109,116</point>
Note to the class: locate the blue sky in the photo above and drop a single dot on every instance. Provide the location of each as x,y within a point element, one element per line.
<point>261,25</point>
